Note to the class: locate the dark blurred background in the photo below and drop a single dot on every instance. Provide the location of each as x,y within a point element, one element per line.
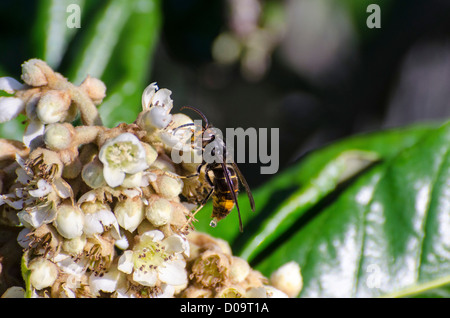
<point>312,68</point>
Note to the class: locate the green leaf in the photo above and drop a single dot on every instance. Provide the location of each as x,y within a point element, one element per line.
<point>387,234</point>
<point>26,275</point>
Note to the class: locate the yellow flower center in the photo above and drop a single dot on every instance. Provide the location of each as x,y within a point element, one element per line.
<point>122,153</point>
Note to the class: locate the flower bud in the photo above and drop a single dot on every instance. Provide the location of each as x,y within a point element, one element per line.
<point>69,221</point>
<point>164,165</point>
<point>94,88</point>
<point>58,136</point>
<point>33,72</point>
<point>92,174</point>
<point>129,213</point>
<point>239,269</point>
<point>288,279</point>
<point>74,246</point>
<point>158,211</point>
<point>53,107</point>
<point>169,187</point>
<point>43,273</point>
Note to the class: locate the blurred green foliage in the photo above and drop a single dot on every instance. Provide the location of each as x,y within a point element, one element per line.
<point>115,42</point>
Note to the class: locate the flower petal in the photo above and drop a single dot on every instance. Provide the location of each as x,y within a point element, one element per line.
<point>10,85</point>
<point>159,117</point>
<point>43,189</point>
<point>154,235</point>
<point>148,94</point>
<point>167,291</point>
<point>146,278</point>
<point>126,262</point>
<point>113,177</point>
<point>162,99</point>
<point>176,244</point>
<point>106,283</point>
<point>34,130</point>
<point>36,216</point>
<point>173,273</point>
<point>10,107</point>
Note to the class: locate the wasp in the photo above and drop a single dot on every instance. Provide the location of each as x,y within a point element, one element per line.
<point>222,177</point>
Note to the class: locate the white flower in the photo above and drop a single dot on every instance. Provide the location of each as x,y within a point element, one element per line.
<point>10,108</point>
<point>99,218</point>
<point>153,96</point>
<point>156,104</point>
<point>156,259</point>
<point>10,85</point>
<point>120,155</point>
<point>148,94</point>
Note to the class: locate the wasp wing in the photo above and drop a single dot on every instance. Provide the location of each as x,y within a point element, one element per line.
<point>230,187</point>
<point>244,182</point>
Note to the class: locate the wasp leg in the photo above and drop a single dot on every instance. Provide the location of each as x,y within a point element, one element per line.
<point>191,218</point>
<point>175,176</point>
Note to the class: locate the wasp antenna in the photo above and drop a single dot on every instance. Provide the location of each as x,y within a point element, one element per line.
<point>198,112</point>
<point>182,126</point>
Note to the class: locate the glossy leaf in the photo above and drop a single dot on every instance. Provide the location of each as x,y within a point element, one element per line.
<point>388,234</point>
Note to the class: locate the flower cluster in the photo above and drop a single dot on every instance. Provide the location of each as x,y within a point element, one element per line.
<point>100,208</point>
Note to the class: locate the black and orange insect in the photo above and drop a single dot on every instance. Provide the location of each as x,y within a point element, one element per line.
<point>223,177</point>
